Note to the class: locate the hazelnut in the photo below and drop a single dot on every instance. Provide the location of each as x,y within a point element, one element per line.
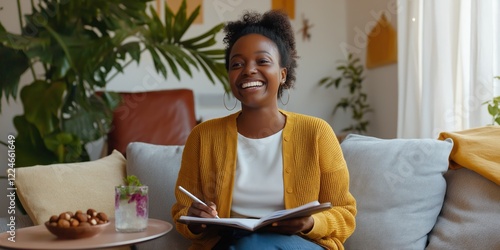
<point>74,222</point>
<point>81,217</point>
<point>93,222</point>
<point>54,218</point>
<point>84,224</point>
<point>102,216</point>
<point>70,213</point>
<point>92,212</point>
<point>63,223</point>
<point>64,216</point>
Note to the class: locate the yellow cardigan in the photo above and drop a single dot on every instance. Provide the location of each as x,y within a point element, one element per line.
<point>313,169</point>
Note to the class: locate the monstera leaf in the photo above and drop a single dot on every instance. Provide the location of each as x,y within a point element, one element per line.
<point>30,147</point>
<point>9,76</point>
<point>42,102</point>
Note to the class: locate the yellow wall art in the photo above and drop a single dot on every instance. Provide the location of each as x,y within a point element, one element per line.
<point>288,6</point>
<point>382,46</point>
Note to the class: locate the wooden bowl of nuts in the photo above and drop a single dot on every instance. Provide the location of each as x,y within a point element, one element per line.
<point>69,225</point>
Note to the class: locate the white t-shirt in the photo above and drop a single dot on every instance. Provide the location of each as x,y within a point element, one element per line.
<point>258,188</point>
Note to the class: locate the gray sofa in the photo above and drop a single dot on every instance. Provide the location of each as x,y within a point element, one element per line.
<point>407,199</point>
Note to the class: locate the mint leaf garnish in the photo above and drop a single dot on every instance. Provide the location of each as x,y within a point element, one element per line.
<point>132,180</point>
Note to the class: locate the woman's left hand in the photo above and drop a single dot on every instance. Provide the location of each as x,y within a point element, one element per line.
<point>292,226</point>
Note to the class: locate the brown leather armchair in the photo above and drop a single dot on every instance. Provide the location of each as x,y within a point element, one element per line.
<point>164,117</point>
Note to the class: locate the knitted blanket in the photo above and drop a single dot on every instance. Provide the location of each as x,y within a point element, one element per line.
<point>477,149</point>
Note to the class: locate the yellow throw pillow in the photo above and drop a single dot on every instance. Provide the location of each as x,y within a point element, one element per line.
<point>45,190</point>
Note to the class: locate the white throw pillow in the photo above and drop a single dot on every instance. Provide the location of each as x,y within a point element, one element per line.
<point>399,189</point>
<point>470,218</point>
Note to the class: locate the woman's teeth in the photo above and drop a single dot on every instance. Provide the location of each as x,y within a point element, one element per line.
<point>251,84</point>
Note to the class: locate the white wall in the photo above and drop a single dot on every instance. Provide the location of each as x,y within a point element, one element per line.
<point>381,82</point>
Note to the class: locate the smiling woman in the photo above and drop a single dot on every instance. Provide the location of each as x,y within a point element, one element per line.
<point>255,74</point>
<point>262,159</point>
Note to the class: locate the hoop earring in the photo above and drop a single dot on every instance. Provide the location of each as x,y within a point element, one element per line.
<point>287,99</point>
<point>224,101</point>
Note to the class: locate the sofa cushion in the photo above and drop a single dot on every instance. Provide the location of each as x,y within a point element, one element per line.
<point>45,190</point>
<point>158,166</point>
<point>399,189</point>
<point>471,213</point>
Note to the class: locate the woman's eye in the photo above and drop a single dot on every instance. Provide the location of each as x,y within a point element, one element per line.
<point>263,61</point>
<point>236,65</point>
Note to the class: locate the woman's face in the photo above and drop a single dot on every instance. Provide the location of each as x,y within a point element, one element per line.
<point>254,71</point>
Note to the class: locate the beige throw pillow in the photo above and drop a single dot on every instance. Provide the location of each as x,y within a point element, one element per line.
<point>45,190</point>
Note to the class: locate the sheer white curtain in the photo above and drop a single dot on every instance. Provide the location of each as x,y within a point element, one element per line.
<point>449,52</point>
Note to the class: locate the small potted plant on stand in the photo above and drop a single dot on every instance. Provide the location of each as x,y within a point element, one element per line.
<point>352,73</point>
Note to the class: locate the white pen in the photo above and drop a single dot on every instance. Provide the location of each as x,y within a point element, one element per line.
<point>194,198</point>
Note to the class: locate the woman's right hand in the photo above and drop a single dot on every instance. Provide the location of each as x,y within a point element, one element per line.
<point>198,209</point>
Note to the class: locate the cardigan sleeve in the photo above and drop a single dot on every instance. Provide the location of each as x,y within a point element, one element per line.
<point>188,178</point>
<point>339,222</point>
<point>324,157</point>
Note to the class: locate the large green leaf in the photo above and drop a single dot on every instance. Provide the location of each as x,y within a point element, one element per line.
<point>30,148</point>
<point>14,64</point>
<point>210,34</point>
<point>179,22</point>
<point>66,146</point>
<point>174,54</point>
<point>156,32</point>
<point>42,103</point>
<point>88,122</point>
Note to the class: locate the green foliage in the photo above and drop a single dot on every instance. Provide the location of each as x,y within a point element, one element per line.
<point>132,180</point>
<point>352,77</point>
<point>132,186</point>
<point>494,108</point>
<point>80,46</point>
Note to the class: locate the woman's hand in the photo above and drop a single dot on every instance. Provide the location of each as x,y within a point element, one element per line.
<point>200,210</point>
<point>292,226</point>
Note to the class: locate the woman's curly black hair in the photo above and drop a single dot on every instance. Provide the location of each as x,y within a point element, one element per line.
<point>276,26</point>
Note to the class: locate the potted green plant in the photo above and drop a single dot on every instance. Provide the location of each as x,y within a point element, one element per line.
<point>494,108</point>
<point>81,45</point>
<point>351,76</point>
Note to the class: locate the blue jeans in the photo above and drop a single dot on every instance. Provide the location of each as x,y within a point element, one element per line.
<point>266,241</point>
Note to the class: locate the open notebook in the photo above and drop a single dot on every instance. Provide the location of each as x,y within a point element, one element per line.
<point>254,224</point>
